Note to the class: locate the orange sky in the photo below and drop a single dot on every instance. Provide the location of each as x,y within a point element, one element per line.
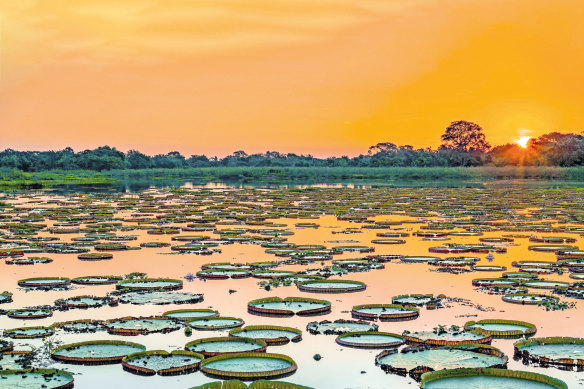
<point>326,77</point>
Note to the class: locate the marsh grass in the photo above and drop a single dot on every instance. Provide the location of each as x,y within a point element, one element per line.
<point>354,174</point>
<point>15,179</point>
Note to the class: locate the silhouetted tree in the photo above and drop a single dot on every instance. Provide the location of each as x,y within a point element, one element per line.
<point>465,136</point>
<point>383,147</point>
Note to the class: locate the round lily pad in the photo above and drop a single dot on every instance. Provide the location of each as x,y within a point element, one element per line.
<point>44,282</point>
<point>150,283</point>
<point>488,268</point>
<point>488,378</point>
<point>503,329</point>
<point>36,379</point>
<point>339,327</point>
<point>159,298</point>
<point>189,314</point>
<point>85,302</point>
<point>80,326</point>
<point>16,360</point>
<point>465,356</point>
<point>29,313</point>
<point>272,335</point>
<point>385,312</point>
<point>95,256</point>
<point>249,366</point>
<point>542,284</point>
<point>96,280</point>
<point>370,339</point>
<point>331,286</point>
<point>141,325</point>
<point>553,350</point>
<point>29,332</point>
<point>224,345</point>
<point>162,363</point>
<point>529,299</point>
<point>417,300</point>
<point>449,337</point>
<point>215,323</point>
<point>223,273</point>
<point>96,352</point>
<point>288,306</point>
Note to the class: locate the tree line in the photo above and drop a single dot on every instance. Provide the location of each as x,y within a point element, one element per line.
<point>463,144</point>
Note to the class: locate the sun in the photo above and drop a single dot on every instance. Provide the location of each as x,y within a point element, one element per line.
<point>522,141</point>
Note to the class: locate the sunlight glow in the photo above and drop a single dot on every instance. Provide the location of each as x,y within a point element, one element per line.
<point>523,141</point>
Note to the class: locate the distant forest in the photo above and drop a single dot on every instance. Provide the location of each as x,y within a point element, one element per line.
<point>463,144</point>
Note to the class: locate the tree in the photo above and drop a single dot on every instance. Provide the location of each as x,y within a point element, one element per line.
<point>384,147</point>
<point>137,160</point>
<point>171,160</point>
<point>465,136</point>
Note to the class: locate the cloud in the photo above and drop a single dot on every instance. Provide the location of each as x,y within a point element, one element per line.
<point>284,74</point>
<point>87,29</point>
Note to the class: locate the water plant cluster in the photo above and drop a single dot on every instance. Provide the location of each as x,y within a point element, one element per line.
<point>469,229</point>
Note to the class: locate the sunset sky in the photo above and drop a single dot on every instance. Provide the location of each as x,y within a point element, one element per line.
<point>326,77</point>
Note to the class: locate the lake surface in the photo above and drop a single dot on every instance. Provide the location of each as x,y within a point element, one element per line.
<point>343,214</point>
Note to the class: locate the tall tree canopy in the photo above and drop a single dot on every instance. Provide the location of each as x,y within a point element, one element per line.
<point>465,136</point>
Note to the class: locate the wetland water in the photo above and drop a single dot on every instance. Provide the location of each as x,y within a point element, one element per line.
<point>344,217</point>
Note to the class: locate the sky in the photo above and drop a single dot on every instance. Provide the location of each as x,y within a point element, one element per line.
<point>321,77</point>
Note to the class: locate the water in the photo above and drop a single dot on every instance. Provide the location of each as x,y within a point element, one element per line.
<point>340,367</point>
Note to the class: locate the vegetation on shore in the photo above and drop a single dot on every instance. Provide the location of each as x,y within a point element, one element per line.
<point>463,144</point>
<point>15,179</point>
<point>350,174</point>
<point>464,156</point>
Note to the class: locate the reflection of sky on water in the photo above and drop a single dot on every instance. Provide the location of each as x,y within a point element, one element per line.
<point>340,367</point>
